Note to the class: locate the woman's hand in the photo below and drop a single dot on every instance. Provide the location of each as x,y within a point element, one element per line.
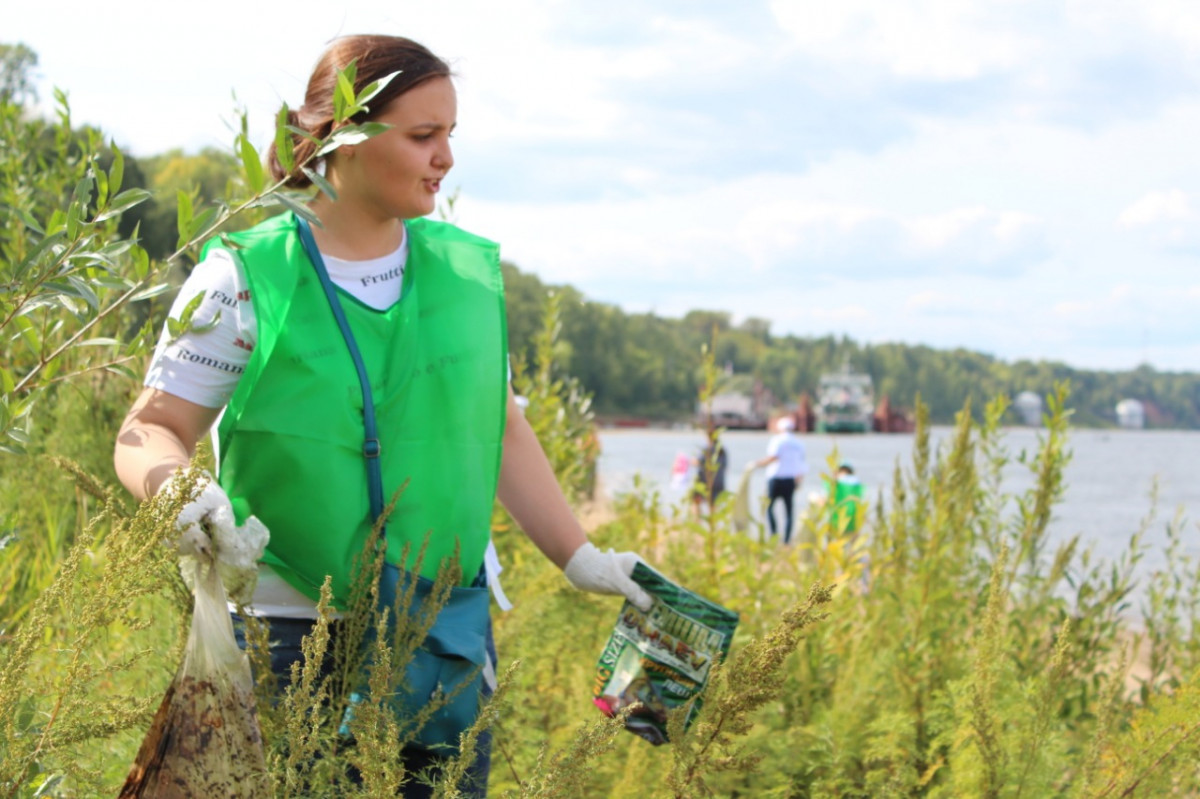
<point>591,569</point>
<point>208,531</point>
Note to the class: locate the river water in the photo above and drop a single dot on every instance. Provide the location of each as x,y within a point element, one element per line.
<point>1109,480</point>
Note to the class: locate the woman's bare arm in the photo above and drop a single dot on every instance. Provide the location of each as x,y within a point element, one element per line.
<point>530,492</point>
<point>158,436</point>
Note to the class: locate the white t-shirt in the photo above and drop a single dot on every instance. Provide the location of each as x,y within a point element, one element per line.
<point>790,453</point>
<point>204,367</point>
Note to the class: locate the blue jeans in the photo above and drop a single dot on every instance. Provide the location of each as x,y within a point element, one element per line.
<point>286,635</point>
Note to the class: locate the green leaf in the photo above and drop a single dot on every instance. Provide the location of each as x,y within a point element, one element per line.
<point>368,129</point>
<point>183,217</point>
<point>112,282</point>
<point>92,264</point>
<point>352,134</point>
<point>320,182</point>
<point>189,310</point>
<point>204,327</point>
<point>252,165</point>
<point>298,208</point>
<point>141,262</point>
<point>116,173</point>
<point>99,342</point>
<point>31,223</point>
<point>42,301</point>
<point>123,370</point>
<point>48,785</point>
<point>57,221</point>
<point>29,332</point>
<point>70,305</point>
<point>73,220</point>
<point>371,89</point>
<point>45,250</point>
<point>84,292</point>
<point>152,291</point>
<point>284,144</point>
<point>343,93</point>
<point>101,187</point>
<point>115,249</point>
<point>83,190</point>
<point>304,134</point>
<point>339,106</point>
<point>123,202</point>
<point>203,220</point>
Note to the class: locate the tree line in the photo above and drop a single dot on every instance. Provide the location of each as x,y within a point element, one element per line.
<point>649,366</point>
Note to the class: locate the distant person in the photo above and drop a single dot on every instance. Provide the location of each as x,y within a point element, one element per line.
<point>786,467</point>
<point>710,472</point>
<point>679,471</point>
<point>845,500</point>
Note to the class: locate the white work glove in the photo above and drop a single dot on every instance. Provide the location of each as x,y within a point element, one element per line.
<point>207,530</point>
<point>590,569</point>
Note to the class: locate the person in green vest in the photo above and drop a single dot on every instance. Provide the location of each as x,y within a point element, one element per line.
<point>845,500</point>
<point>304,335</point>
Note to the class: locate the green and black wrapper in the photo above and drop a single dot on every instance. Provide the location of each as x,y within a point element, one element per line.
<point>659,660</point>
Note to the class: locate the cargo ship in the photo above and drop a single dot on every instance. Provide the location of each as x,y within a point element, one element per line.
<point>845,402</point>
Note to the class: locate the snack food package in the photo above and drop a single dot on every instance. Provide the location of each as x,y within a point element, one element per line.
<point>660,660</point>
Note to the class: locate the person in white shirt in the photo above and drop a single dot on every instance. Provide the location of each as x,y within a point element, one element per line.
<point>786,467</point>
<point>409,284</point>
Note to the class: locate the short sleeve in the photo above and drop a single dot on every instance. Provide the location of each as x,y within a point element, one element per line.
<point>205,363</point>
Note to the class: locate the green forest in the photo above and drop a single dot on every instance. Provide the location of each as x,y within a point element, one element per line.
<point>647,365</point>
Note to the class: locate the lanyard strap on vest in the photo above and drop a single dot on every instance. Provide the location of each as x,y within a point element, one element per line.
<point>370,447</point>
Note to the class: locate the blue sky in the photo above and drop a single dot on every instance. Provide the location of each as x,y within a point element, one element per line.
<point>1019,178</point>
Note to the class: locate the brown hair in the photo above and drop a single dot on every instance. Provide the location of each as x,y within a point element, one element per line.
<point>377,57</point>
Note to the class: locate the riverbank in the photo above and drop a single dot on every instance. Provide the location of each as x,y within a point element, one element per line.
<point>1133,648</point>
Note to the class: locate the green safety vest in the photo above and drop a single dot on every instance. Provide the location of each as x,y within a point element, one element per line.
<point>847,497</point>
<point>290,443</point>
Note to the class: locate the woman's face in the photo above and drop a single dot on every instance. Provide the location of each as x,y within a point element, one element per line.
<point>397,174</point>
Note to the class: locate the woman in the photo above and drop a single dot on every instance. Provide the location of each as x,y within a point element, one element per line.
<point>423,304</point>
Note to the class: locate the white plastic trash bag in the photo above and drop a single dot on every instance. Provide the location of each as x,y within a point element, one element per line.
<point>205,739</point>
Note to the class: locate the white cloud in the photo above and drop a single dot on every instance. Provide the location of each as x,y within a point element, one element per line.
<point>1166,220</point>
<point>987,232</point>
<point>931,300</point>
<point>749,223</point>
<point>937,39</point>
<point>1171,20</point>
<point>842,316</point>
<point>1158,206</point>
<point>979,173</point>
